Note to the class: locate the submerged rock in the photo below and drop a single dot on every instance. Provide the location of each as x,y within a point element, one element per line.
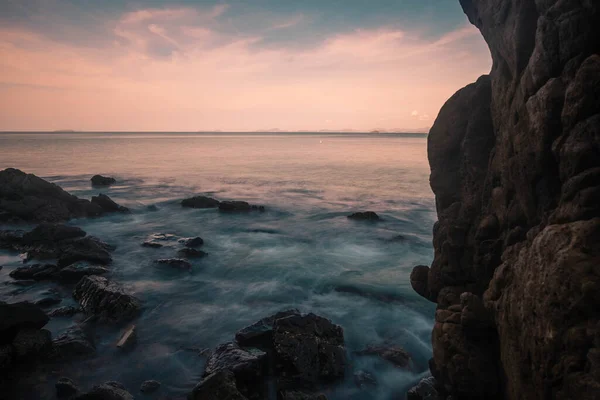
<point>308,350</point>
<point>238,206</point>
<point>200,202</point>
<point>149,386</point>
<point>396,355</point>
<point>105,300</point>
<point>364,216</point>
<point>179,263</point>
<point>107,204</point>
<point>157,240</point>
<point>99,180</point>
<point>66,311</point>
<point>35,271</point>
<point>191,253</point>
<point>149,243</point>
<point>364,378</point>
<point>25,197</point>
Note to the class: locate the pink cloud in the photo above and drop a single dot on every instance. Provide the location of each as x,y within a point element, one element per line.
<point>204,79</point>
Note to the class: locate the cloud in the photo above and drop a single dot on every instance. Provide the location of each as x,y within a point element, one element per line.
<point>174,69</point>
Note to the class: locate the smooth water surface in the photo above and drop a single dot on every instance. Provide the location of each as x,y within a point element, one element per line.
<point>296,254</point>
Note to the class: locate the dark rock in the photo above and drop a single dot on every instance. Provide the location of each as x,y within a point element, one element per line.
<point>66,311</point>
<point>200,202</point>
<point>394,354</point>
<point>6,357</point>
<point>88,249</point>
<point>152,207</point>
<point>191,253</point>
<point>218,386</point>
<point>76,271</point>
<point>49,234</point>
<point>260,334</point>
<point>149,386</point>
<point>105,300</point>
<point>25,197</point>
<point>308,350</point>
<point>106,391</point>
<point>364,216</point>
<point>48,301</point>
<point>10,237</point>
<point>65,388</point>
<point>248,366</point>
<point>425,390</point>
<point>107,204</point>
<point>192,242</point>
<point>157,240</point>
<point>175,263</point>
<point>19,316</point>
<point>36,272</point>
<point>238,206</point>
<point>364,378</point>
<point>99,180</point>
<point>151,244</point>
<point>514,168</point>
<point>30,344</point>
<point>418,280</point>
<point>73,343</point>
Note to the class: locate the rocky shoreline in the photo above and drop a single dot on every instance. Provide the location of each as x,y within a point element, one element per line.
<point>289,355</point>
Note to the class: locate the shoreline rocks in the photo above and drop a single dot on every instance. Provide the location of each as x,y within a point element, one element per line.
<point>99,180</point>
<point>105,300</point>
<point>364,216</point>
<point>200,202</point>
<point>107,204</point>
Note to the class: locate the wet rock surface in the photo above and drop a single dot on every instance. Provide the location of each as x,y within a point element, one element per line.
<point>177,263</point>
<point>514,165</point>
<point>99,180</point>
<point>106,391</point>
<point>426,389</point>
<point>75,342</point>
<point>149,386</point>
<point>200,202</point>
<point>239,206</point>
<point>107,204</point>
<point>260,334</point>
<point>106,300</point>
<point>192,242</point>
<point>25,197</point>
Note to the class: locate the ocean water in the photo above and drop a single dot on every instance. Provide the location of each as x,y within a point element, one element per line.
<point>294,255</point>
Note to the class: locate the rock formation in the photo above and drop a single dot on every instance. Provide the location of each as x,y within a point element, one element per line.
<point>515,168</point>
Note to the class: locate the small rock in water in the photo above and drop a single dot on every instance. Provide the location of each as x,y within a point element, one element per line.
<point>65,388</point>
<point>154,245</point>
<point>200,202</point>
<point>152,207</point>
<point>107,204</point>
<point>128,338</point>
<point>192,242</point>
<point>191,253</point>
<point>175,263</point>
<point>76,271</point>
<point>364,216</point>
<point>107,391</point>
<point>99,180</point>
<point>425,390</point>
<point>364,378</point>
<point>149,386</point>
<point>239,206</point>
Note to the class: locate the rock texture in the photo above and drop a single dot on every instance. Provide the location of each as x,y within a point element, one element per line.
<point>25,197</point>
<point>515,168</point>
<point>107,204</point>
<point>106,300</point>
<point>99,180</point>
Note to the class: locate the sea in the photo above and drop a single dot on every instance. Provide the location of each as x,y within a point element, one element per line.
<point>302,252</point>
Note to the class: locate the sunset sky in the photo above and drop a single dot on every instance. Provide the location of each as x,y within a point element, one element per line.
<point>235,65</point>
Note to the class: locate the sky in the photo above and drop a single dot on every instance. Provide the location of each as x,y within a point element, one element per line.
<point>235,65</point>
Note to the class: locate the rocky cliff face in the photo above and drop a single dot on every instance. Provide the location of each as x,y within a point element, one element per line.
<point>515,167</point>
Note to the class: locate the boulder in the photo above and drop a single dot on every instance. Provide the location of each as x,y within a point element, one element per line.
<point>73,343</point>
<point>308,350</point>
<point>36,272</point>
<point>19,316</point>
<point>49,234</point>
<point>188,252</point>
<point>220,385</point>
<point>106,391</point>
<point>107,204</point>
<point>154,245</point>
<point>192,242</point>
<point>395,355</point>
<point>157,240</point>
<point>6,357</point>
<point>239,206</point>
<point>76,271</point>
<point>105,300</point>
<point>65,388</point>
<point>178,263</point>
<point>260,334</point>
<point>25,197</point>
<point>364,216</point>
<point>65,311</point>
<point>248,366</point>
<point>99,180</point>
<point>200,202</point>
<point>149,386</point>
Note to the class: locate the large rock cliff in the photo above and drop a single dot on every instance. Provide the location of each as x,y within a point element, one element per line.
<point>515,168</point>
